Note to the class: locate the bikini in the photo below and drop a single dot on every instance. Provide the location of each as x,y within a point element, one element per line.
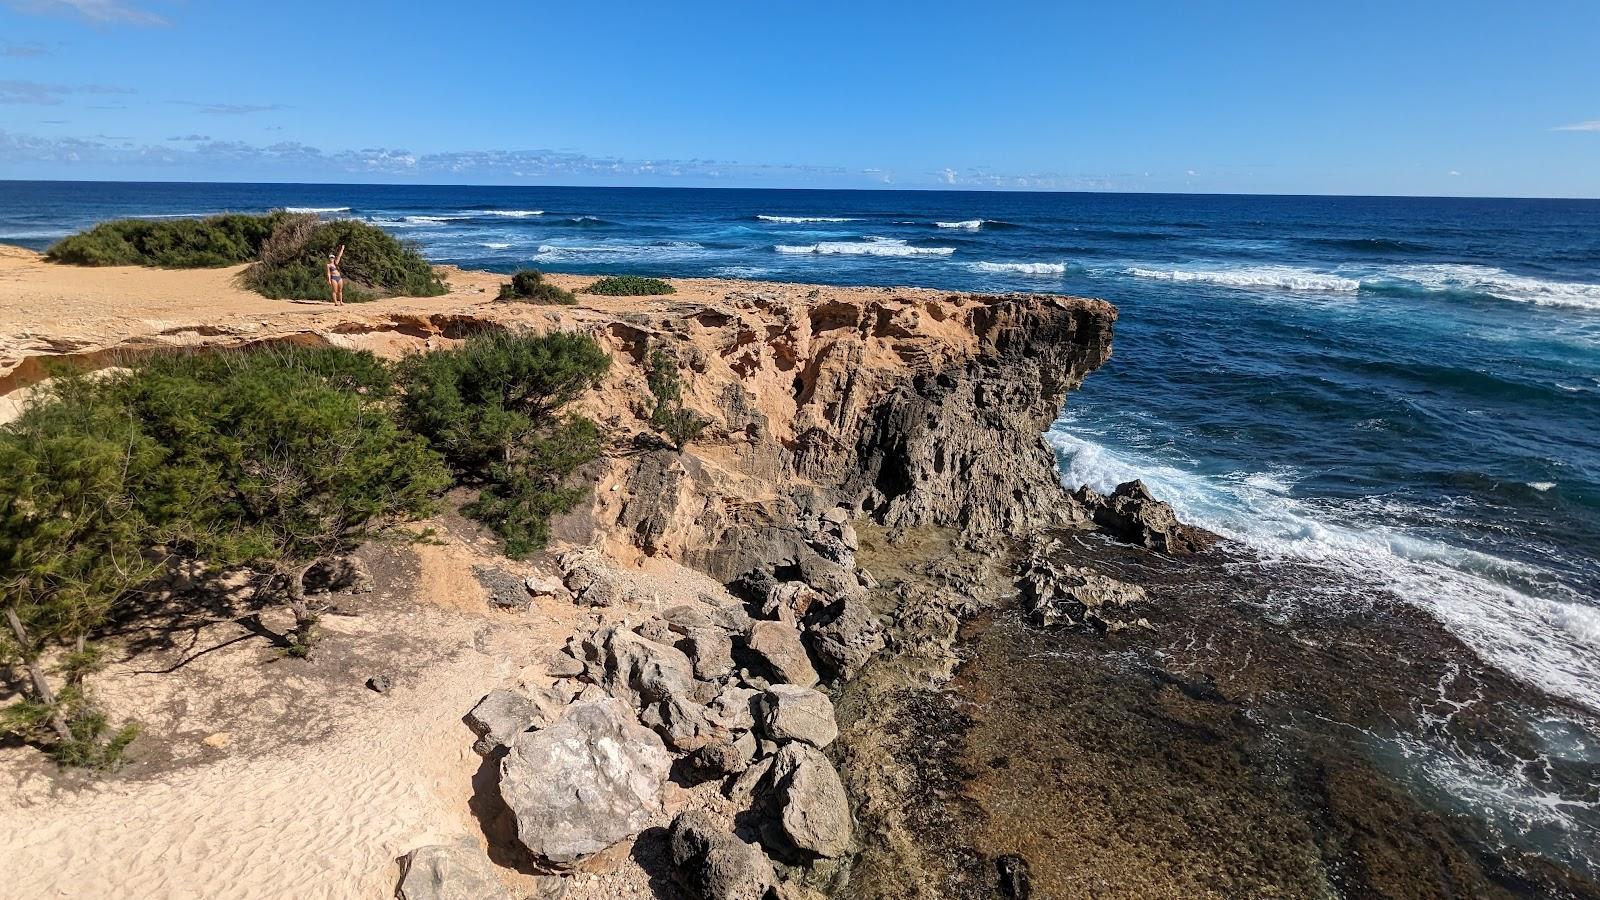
<point>333,273</point>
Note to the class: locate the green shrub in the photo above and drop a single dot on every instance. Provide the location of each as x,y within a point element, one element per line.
<point>680,425</point>
<point>493,407</point>
<point>529,286</point>
<point>277,458</point>
<point>630,286</point>
<point>225,240</point>
<point>72,538</point>
<point>294,259</point>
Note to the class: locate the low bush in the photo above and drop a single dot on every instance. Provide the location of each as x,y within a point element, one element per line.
<point>529,286</point>
<point>630,286</point>
<point>225,240</point>
<point>293,262</point>
<point>670,417</point>
<point>493,407</point>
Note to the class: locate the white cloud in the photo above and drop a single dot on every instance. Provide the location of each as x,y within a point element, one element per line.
<point>1454,173</point>
<point>98,12</point>
<point>1192,173</point>
<point>37,93</point>
<point>1591,125</point>
<point>949,176</point>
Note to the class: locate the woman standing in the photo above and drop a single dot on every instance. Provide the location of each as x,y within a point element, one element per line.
<point>335,277</point>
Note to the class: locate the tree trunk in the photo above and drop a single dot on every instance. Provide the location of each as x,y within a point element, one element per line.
<point>41,684</point>
<point>303,619</point>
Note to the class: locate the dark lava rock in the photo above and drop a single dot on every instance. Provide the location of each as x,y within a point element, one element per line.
<point>1014,881</point>
<point>1132,514</point>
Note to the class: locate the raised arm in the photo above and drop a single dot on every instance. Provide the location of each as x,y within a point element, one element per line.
<point>340,258</point>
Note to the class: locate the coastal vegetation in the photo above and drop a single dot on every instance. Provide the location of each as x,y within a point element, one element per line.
<point>495,407</point>
<point>266,460</point>
<point>630,286</point>
<point>529,286</point>
<point>225,240</point>
<point>669,416</point>
<point>288,253</point>
<point>292,262</point>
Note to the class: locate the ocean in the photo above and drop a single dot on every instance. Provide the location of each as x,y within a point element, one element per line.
<point>1403,392</point>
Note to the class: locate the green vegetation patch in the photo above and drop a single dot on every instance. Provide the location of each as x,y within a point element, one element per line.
<point>169,243</point>
<point>630,286</point>
<point>529,286</point>
<point>495,407</point>
<point>669,416</point>
<point>293,262</point>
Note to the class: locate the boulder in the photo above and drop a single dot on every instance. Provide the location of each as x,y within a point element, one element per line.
<point>544,586</point>
<point>683,618</point>
<point>813,809</point>
<point>726,613</point>
<point>459,871</point>
<point>791,601</point>
<point>733,708</point>
<point>682,724</point>
<point>778,645</point>
<point>562,664</point>
<point>339,575</point>
<point>793,713</point>
<point>638,671</point>
<point>589,780</point>
<point>710,650</point>
<point>1133,515</point>
<point>656,630</point>
<point>845,636</point>
<point>713,864</point>
<point>722,759</point>
<point>499,717</point>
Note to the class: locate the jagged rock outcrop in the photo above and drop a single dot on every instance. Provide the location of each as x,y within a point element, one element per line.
<point>1132,514</point>
<point>1055,593</point>
<point>589,780</point>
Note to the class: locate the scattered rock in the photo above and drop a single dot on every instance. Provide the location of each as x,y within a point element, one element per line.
<point>845,636</point>
<point>459,871</point>
<point>683,724</point>
<point>793,713</point>
<point>710,649</point>
<point>684,618</point>
<point>562,664</point>
<point>590,779</point>
<point>544,586</point>
<point>715,865</point>
<point>1058,594</point>
<point>779,647</point>
<point>506,590</point>
<point>498,718</point>
<point>218,741</point>
<point>339,575</point>
<point>638,671</point>
<point>791,601</point>
<point>733,708</point>
<point>656,630</point>
<point>382,683</point>
<point>814,809</point>
<point>719,760</point>
<point>1132,514</point>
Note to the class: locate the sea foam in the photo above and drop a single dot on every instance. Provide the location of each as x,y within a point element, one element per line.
<point>316,209</point>
<point>1015,268</point>
<point>1545,641</point>
<point>969,224</point>
<point>803,220</point>
<point>868,247</point>
<point>1270,277</point>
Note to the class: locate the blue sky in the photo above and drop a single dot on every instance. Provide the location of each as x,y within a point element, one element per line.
<point>1457,98</point>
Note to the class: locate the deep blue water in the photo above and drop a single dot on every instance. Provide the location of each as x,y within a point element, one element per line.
<point>1404,390</point>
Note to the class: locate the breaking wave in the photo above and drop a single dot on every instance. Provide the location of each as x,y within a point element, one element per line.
<point>316,209</point>
<point>1014,268</point>
<point>1279,277</point>
<point>803,220</point>
<point>1551,643</point>
<point>868,247</point>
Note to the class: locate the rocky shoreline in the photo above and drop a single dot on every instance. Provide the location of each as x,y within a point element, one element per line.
<point>920,667</point>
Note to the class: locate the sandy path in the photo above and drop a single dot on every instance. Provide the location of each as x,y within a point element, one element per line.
<point>323,821</point>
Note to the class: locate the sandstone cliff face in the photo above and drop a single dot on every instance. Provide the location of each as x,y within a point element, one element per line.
<point>912,408</point>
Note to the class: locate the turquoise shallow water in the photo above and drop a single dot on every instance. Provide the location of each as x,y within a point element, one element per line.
<point>1403,391</point>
